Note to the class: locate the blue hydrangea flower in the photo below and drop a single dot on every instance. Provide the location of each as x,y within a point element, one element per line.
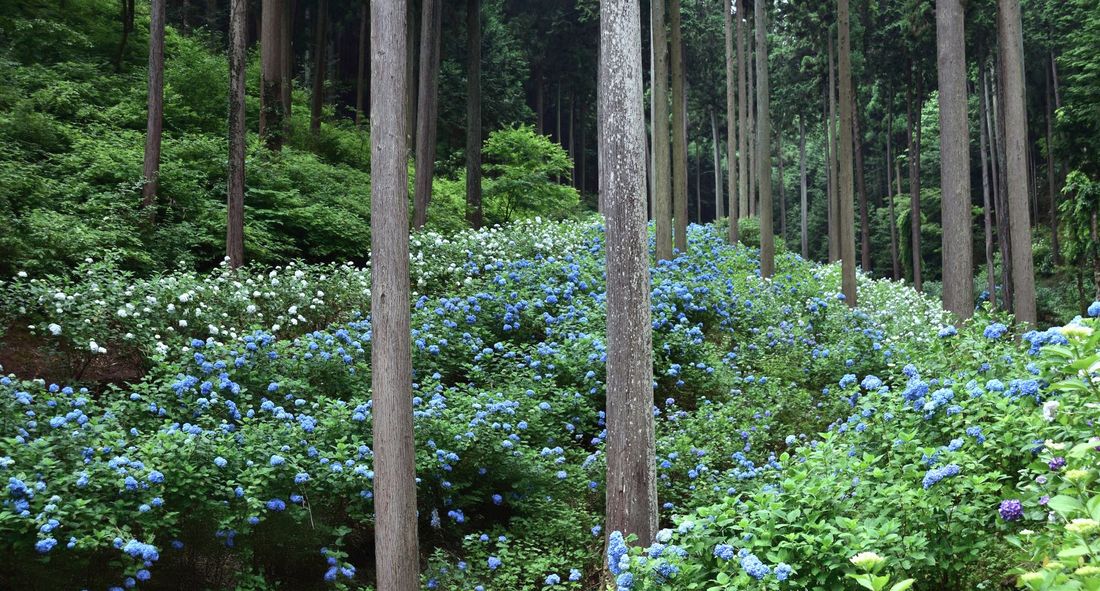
<point>937,474</point>
<point>782,571</point>
<point>753,567</point>
<point>44,545</point>
<point>617,558</point>
<point>995,331</point>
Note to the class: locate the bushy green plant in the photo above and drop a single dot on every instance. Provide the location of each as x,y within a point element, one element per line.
<point>526,175</point>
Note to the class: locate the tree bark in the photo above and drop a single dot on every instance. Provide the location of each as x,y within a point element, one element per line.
<point>582,184</point>
<point>540,101</point>
<point>1094,233</point>
<point>234,235</point>
<point>718,202</point>
<point>804,197</point>
<point>861,189</point>
<point>272,110</point>
<point>895,263</point>
<point>1000,191</point>
<point>914,118</point>
<point>958,249</point>
<point>212,15</point>
<point>1011,41</point>
<point>831,158</point>
<point>431,19</point>
<point>410,65</point>
<point>396,552</point>
<point>742,116</point>
<point>474,214</point>
<point>286,56</point>
<point>846,143</point>
<point>764,147</point>
<point>155,121</point>
<point>1052,178</point>
<point>699,183</point>
<point>631,465</point>
<point>317,97</point>
<point>732,157</point>
<point>679,131</point>
<point>754,129</point>
<point>360,85</point>
<point>987,202</point>
<point>780,186</point>
<point>127,17</point>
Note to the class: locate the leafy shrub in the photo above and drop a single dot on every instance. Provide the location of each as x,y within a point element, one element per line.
<point>768,443</point>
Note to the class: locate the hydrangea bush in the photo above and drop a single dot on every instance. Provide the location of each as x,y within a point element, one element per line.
<point>790,429</point>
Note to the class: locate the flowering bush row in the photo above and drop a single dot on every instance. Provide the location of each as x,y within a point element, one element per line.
<point>243,457</point>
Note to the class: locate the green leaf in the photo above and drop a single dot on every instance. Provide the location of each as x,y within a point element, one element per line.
<point>903,585</point>
<point>1065,505</point>
<point>1074,552</point>
<point>723,578</point>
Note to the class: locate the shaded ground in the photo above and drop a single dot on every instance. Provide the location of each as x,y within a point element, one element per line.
<point>29,356</point>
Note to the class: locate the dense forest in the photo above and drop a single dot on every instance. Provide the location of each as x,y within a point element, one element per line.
<point>502,295</point>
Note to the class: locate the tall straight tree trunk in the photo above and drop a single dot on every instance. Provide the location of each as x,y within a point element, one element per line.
<point>1011,41</point>
<point>742,116</point>
<point>127,18</point>
<point>431,19</point>
<point>651,189</point>
<point>211,15</point>
<point>581,185</point>
<point>360,85</point>
<point>395,544</point>
<point>286,54</point>
<point>557,108</point>
<point>914,118</point>
<point>557,134</point>
<point>699,183</point>
<point>804,197</point>
<point>861,189</point>
<point>958,250</point>
<point>272,110</point>
<point>764,144</point>
<point>780,188</point>
<point>831,156</point>
<point>631,462</point>
<point>1094,233</point>
<point>238,55</point>
<point>987,202</point>
<point>410,73</point>
<point>844,177</point>
<point>732,157</point>
<point>662,172</point>
<point>895,263</point>
<point>754,129</point>
<point>473,113</point>
<point>679,130</point>
<point>572,138</point>
<point>897,181</point>
<point>1052,184</point>
<point>718,202</point>
<point>317,98</point>
<point>1000,190</point>
<point>155,120</point>
<point>540,102</point>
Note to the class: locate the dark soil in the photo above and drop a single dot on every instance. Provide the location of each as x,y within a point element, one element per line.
<point>29,356</point>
